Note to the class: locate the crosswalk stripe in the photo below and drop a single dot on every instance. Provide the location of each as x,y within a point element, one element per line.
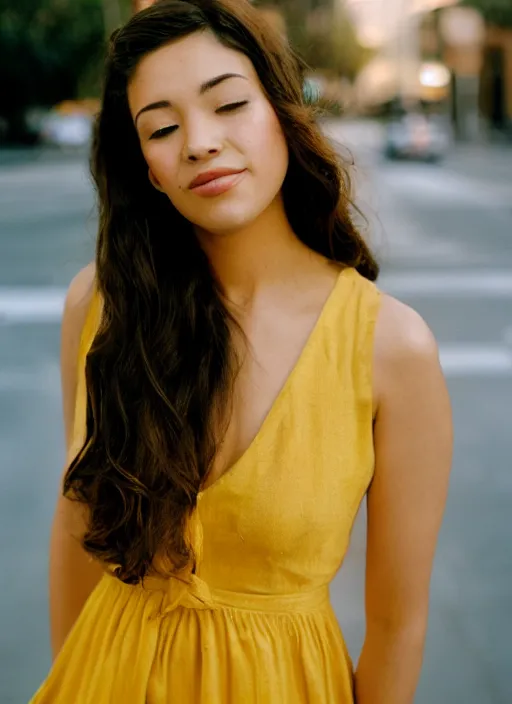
<point>465,284</point>
<point>475,360</point>
<point>31,304</point>
<point>458,361</point>
<point>45,304</point>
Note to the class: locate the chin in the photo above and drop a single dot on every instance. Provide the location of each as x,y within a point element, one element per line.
<point>227,223</point>
<point>225,229</point>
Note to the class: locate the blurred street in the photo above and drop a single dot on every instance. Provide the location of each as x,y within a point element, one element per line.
<point>444,235</point>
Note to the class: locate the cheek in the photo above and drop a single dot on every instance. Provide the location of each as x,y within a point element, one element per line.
<point>165,167</point>
<point>263,141</point>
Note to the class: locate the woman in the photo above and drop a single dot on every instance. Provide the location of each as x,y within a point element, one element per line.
<point>234,384</point>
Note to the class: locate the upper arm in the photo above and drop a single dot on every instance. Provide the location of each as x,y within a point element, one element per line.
<point>413,451</point>
<point>76,307</point>
<point>73,574</point>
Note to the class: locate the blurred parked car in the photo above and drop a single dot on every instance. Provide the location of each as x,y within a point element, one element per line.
<point>69,124</point>
<point>73,130</point>
<point>415,135</point>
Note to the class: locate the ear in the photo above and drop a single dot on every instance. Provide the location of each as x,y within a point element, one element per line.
<point>155,182</point>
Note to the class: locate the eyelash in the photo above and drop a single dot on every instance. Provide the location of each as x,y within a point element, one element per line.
<point>230,107</point>
<point>164,132</point>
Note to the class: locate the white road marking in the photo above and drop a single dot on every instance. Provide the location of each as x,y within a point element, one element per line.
<point>31,305</point>
<point>449,284</point>
<point>22,306</point>
<point>458,361</point>
<point>45,304</point>
<point>475,360</point>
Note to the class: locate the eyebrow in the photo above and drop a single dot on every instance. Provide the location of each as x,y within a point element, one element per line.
<point>204,88</point>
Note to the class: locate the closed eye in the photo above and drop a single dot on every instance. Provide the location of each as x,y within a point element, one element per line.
<point>164,132</point>
<point>231,107</point>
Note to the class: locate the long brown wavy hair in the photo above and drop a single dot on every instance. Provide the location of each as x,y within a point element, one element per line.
<point>160,370</point>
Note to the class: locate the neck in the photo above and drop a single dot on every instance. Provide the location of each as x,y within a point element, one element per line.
<point>256,257</point>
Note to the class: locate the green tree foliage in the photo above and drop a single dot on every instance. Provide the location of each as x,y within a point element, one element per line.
<point>323,34</point>
<point>51,50</point>
<point>46,47</point>
<point>497,12</point>
<point>336,49</point>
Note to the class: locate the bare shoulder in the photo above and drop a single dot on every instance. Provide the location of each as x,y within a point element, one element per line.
<point>401,333</point>
<point>80,290</point>
<point>76,307</point>
<point>404,346</point>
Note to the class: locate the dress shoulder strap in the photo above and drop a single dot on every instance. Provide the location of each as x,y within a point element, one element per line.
<point>357,313</point>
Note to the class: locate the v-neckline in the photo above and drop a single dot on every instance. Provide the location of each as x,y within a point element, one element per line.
<point>278,401</point>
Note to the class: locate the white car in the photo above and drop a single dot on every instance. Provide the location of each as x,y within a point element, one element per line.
<point>67,130</point>
<point>417,136</point>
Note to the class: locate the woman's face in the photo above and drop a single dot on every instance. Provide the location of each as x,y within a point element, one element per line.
<point>210,137</point>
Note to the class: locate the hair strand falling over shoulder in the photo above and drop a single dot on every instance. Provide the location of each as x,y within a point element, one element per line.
<point>160,370</point>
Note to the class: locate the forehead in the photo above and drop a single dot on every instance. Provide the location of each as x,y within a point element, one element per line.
<point>178,69</point>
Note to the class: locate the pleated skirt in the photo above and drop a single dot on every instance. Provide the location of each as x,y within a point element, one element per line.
<point>127,649</point>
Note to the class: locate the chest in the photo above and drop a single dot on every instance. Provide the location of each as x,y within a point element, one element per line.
<point>273,347</point>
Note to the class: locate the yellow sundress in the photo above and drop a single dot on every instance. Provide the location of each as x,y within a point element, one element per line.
<point>254,624</point>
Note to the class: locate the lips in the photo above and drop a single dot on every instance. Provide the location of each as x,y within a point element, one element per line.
<point>212,175</point>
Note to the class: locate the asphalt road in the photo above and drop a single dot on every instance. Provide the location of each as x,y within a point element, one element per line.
<point>444,234</point>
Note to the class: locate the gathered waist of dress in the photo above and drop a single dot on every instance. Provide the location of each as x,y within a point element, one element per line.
<point>275,603</point>
<point>194,592</point>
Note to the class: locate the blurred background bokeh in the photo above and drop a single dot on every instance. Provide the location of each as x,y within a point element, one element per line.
<point>418,96</point>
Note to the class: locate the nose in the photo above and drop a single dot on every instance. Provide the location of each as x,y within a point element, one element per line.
<point>202,141</point>
<point>200,153</point>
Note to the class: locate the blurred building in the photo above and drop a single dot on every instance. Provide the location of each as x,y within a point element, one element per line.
<point>496,78</point>
<point>429,51</point>
<point>399,71</point>
<point>322,33</point>
<point>436,52</point>
<point>479,57</point>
